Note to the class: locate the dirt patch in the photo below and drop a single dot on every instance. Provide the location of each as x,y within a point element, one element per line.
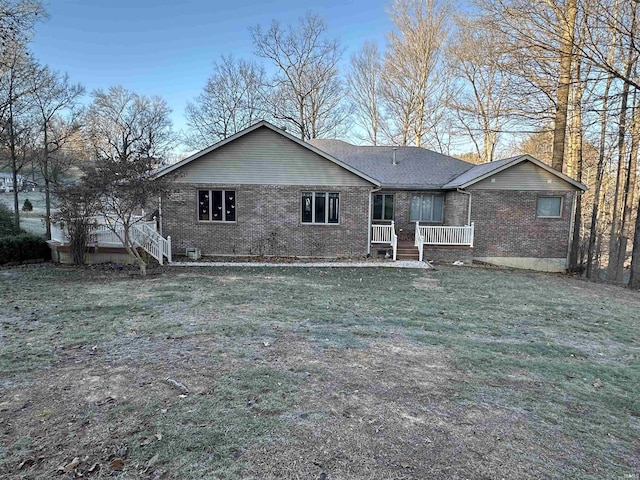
<point>390,411</point>
<point>427,283</point>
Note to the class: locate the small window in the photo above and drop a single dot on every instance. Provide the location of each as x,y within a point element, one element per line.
<point>383,207</point>
<point>427,208</point>
<point>217,205</point>
<point>320,207</point>
<point>549,207</point>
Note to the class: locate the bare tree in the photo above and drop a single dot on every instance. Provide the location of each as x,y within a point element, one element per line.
<point>364,81</point>
<point>56,100</point>
<point>481,97</point>
<point>17,19</point>
<point>17,122</point>
<point>307,91</point>
<point>231,100</point>
<point>128,133</point>
<point>125,126</point>
<point>77,206</point>
<point>413,86</point>
<point>542,32</point>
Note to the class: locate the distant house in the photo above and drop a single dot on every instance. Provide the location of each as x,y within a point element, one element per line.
<point>264,192</point>
<point>6,181</point>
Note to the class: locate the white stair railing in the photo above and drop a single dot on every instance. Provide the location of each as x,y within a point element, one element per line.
<point>151,241</point>
<point>394,240</point>
<point>419,241</point>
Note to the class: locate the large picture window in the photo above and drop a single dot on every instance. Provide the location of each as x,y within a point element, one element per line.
<point>383,206</point>
<point>427,208</point>
<point>217,205</point>
<point>549,207</point>
<point>320,207</point>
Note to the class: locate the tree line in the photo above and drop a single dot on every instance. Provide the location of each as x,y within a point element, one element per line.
<point>556,79</point>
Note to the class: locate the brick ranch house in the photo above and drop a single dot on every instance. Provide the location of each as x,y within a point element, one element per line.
<point>264,192</point>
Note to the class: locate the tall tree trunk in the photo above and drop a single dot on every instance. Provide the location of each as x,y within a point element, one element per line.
<point>617,244</point>
<point>47,184</point>
<point>576,161</point>
<point>634,279</point>
<point>564,82</point>
<point>595,237</point>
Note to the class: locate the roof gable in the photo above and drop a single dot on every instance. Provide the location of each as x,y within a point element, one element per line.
<point>483,171</point>
<point>276,143</point>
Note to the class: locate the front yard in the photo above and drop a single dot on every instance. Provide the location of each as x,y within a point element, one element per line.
<point>318,374</point>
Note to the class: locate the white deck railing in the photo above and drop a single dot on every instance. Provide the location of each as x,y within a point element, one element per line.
<point>385,234</point>
<point>445,235</point>
<point>143,234</point>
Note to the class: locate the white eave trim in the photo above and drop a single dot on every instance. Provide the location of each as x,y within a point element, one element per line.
<point>275,129</point>
<point>520,159</point>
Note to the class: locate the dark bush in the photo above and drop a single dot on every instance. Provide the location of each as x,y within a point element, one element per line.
<point>7,221</point>
<point>18,248</point>
<point>28,206</point>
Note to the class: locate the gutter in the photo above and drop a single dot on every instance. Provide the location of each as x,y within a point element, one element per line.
<point>369,220</point>
<point>459,190</point>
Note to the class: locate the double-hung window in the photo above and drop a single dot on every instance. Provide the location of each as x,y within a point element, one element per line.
<point>427,208</point>
<point>383,206</point>
<point>217,205</point>
<point>320,207</point>
<point>549,207</point>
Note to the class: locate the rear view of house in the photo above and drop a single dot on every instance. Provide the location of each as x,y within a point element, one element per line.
<point>265,192</point>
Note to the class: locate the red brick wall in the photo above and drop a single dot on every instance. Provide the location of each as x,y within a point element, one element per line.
<point>268,223</point>
<point>506,225</point>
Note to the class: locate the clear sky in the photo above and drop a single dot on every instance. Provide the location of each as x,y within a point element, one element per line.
<point>167,47</point>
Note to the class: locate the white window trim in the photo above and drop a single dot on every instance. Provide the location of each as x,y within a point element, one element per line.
<point>561,197</point>
<point>313,208</point>
<point>224,205</point>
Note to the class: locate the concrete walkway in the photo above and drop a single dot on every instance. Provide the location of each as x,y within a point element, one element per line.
<point>372,264</point>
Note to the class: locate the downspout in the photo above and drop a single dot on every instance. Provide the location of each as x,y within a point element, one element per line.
<point>369,221</point>
<point>160,215</point>
<point>469,209</point>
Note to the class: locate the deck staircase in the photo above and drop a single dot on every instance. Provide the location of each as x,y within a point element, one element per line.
<point>407,250</point>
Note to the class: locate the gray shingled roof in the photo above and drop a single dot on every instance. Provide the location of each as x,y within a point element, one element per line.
<point>416,167</point>
<point>478,171</point>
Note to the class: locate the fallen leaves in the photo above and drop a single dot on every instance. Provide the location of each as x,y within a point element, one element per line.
<point>69,466</point>
<point>116,464</point>
<point>152,438</point>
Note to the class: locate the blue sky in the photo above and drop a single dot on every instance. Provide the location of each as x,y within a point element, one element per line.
<point>166,48</point>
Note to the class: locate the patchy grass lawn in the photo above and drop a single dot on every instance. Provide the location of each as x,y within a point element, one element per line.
<point>317,373</point>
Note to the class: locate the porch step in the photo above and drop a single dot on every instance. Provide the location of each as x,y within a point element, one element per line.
<point>407,252</point>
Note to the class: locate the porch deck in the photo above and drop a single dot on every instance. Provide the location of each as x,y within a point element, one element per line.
<point>445,236</point>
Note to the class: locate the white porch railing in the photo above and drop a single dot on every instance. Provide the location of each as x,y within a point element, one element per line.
<point>385,234</point>
<point>446,235</point>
